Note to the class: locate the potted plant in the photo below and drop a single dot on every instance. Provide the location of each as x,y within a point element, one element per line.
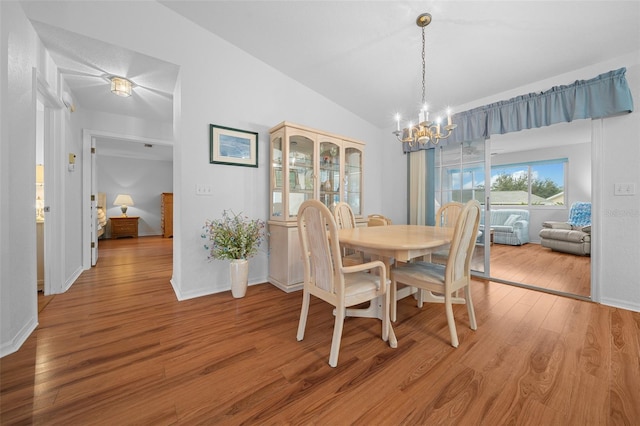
<point>237,238</point>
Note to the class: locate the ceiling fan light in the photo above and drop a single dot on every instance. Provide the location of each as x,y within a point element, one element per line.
<point>120,86</point>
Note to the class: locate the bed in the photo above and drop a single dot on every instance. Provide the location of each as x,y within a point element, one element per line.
<point>102,213</point>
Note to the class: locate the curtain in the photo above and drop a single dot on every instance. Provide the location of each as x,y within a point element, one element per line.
<point>603,96</point>
<point>417,188</point>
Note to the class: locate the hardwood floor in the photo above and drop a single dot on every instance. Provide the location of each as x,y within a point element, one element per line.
<point>535,265</point>
<point>118,348</point>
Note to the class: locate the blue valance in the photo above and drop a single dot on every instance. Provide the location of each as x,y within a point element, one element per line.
<point>603,96</point>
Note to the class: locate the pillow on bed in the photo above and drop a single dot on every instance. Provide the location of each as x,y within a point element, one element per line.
<point>511,220</point>
<point>102,217</point>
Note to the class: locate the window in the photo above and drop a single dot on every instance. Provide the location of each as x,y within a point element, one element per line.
<point>538,183</point>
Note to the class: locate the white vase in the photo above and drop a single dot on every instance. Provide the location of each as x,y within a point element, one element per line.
<point>239,269</point>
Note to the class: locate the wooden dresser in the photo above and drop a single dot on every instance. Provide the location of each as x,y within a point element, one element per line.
<point>124,226</point>
<point>166,214</point>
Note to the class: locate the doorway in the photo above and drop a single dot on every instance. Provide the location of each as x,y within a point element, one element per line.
<point>127,147</point>
<point>460,175</point>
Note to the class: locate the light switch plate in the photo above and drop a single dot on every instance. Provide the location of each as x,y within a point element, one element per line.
<point>202,189</point>
<point>625,189</point>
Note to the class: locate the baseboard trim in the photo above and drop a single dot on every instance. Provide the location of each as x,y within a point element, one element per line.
<point>19,339</point>
<point>620,304</point>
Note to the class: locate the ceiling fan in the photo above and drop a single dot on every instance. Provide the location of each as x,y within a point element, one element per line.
<point>106,78</point>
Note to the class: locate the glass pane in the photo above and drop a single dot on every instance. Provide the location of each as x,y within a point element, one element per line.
<point>547,184</point>
<point>300,179</point>
<point>510,185</point>
<point>276,177</point>
<point>352,179</point>
<point>460,176</point>
<point>277,203</point>
<point>329,174</point>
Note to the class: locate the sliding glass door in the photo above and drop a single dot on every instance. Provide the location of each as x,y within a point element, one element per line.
<point>522,180</point>
<point>460,174</point>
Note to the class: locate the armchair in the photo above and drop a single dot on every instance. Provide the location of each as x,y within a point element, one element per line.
<point>572,236</point>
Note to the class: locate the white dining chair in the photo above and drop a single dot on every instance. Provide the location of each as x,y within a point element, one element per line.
<point>326,278</point>
<point>446,217</point>
<point>345,219</point>
<point>456,274</point>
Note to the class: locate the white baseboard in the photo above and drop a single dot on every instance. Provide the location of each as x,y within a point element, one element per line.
<point>204,292</point>
<point>622,304</point>
<point>17,341</point>
<point>72,279</point>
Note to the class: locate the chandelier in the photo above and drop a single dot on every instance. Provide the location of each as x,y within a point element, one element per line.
<point>425,131</point>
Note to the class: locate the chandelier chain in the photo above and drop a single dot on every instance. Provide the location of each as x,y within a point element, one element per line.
<point>424,87</point>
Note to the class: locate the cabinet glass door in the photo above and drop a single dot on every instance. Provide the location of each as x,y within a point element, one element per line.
<point>300,179</point>
<point>276,175</point>
<point>329,173</point>
<point>353,179</point>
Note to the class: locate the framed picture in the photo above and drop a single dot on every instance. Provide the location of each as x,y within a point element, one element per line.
<point>233,146</point>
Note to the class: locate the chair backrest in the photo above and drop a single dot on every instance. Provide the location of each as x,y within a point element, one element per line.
<point>378,220</point>
<point>448,213</point>
<point>342,213</point>
<point>463,243</point>
<point>580,214</point>
<point>318,233</point>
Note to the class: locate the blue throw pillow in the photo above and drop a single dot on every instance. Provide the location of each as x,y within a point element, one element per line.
<point>580,214</point>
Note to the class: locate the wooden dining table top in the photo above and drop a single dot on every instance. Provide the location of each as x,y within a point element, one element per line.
<point>402,242</point>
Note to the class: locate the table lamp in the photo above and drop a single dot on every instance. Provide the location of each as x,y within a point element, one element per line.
<point>124,201</point>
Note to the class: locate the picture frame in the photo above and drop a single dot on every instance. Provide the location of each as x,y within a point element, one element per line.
<point>231,146</point>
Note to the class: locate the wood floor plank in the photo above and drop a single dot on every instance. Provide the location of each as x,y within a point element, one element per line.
<point>118,348</point>
<point>535,265</point>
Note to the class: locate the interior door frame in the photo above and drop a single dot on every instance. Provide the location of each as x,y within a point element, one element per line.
<point>596,194</point>
<point>89,185</point>
<point>53,186</point>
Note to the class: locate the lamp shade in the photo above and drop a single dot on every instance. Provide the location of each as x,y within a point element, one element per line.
<point>123,200</point>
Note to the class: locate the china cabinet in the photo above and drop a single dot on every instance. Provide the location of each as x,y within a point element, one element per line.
<point>307,164</point>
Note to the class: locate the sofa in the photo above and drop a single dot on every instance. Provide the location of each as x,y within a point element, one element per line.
<point>508,226</point>
<point>572,236</point>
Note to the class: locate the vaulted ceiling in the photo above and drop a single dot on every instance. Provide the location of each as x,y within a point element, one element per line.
<point>366,55</point>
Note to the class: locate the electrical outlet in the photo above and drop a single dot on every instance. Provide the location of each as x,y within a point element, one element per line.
<point>624,189</point>
<point>202,189</point>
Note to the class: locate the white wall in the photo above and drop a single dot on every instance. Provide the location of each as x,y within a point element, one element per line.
<point>125,125</point>
<point>21,53</point>
<point>18,45</point>
<point>144,180</point>
<point>71,235</point>
<point>619,216</point>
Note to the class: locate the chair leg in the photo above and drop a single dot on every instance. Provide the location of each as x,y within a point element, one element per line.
<point>385,317</point>
<point>472,314</point>
<point>448,307</point>
<point>393,289</point>
<point>420,297</point>
<point>337,336</point>
<point>304,311</point>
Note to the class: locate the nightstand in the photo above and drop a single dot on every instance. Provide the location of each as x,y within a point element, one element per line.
<point>124,226</point>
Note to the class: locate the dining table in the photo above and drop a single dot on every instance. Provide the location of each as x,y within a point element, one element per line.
<point>397,243</point>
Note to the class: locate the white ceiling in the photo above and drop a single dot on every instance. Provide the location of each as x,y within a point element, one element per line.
<point>366,55</point>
